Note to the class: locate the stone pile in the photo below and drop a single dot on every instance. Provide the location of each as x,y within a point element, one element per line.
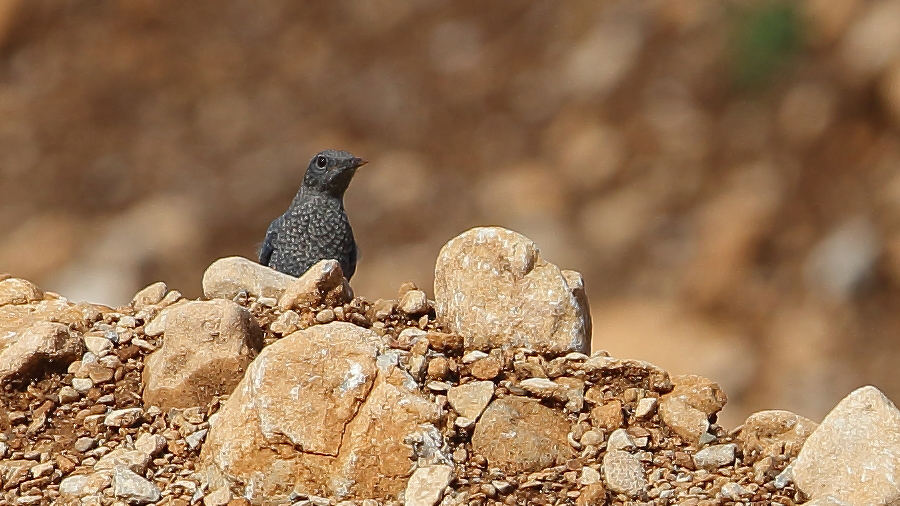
<point>276,390</point>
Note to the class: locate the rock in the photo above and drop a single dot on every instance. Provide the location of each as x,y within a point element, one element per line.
<point>444,343</point>
<point>84,444</point>
<point>854,454</point>
<point>73,485</point>
<point>97,345</point>
<point>82,385</point>
<point>624,474</point>
<point>540,387</point>
<point>645,408</point>
<point>773,433</point>
<point>427,484</point>
<point>151,444</point>
<point>149,296</point>
<point>593,494</point>
<point>716,456</point>
<point>287,322</point>
<point>699,393</point>
<point>133,488</point>
<point>517,434</point>
<point>734,491</point>
<point>485,368</point>
<point>207,347</point>
<point>608,416</point>
<point>227,277</point>
<point>470,399</point>
<point>323,283</point>
<point>620,440</point>
<point>342,419</point>
<point>134,460</point>
<point>689,423</point>
<point>22,353</point>
<point>493,288</point>
<point>219,497</point>
<point>123,417</point>
<point>19,291</point>
<point>589,476</point>
<point>601,367</point>
<point>414,302</point>
<point>68,394</point>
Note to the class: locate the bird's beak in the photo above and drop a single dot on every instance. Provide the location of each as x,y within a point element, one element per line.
<point>359,162</point>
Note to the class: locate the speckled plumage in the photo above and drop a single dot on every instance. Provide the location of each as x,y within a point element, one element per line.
<point>315,226</point>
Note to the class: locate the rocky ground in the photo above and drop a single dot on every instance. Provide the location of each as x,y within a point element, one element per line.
<point>275,390</point>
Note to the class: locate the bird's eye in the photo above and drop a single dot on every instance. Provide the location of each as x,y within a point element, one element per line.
<point>321,162</point>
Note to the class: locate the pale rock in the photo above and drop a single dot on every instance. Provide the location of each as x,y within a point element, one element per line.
<point>645,408</point>
<point>41,470</point>
<point>19,291</point>
<point>518,434</point>
<point>82,385</point>
<point>624,474</point>
<point>540,387</point>
<point>734,491</point>
<point>589,475</point>
<point>493,288</point>
<point>149,296</point>
<point>287,322</point>
<point>854,454</point>
<point>341,418</point>
<point>133,488</point>
<point>620,440</point>
<point>474,355</point>
<point>219,497</point>
<point>151,444</point>
<point>324,282</point>
<point>195,439</point>
<point>97,345</point>
<point>716,456</point>
<point>208,346</point>
<point>427,485</point>
<point>414,302</point>
<point>592,438</point>
<point>74,485</point>
<point>84,443</point>
<point>699,393</point>
<point>123,417</point>
<point>470,399</point>
<point>689,423</point>
<point>227,277</point>
<point>134,460</point>
<point>775,432</point>
<point>22,352</point>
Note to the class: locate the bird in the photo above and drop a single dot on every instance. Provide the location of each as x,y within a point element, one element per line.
<point>315,226</point>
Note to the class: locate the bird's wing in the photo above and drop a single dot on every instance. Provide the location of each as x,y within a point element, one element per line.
<point>268,245</point>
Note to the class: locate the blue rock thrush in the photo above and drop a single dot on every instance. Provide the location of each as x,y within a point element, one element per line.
<point>315,226</point>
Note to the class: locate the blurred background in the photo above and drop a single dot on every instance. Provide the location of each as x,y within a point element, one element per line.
<point>724,174</point>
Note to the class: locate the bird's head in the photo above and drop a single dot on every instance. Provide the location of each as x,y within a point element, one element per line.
<point>331,171</point>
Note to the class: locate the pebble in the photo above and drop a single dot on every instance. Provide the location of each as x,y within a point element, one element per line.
<point>645,408</point>
<point>325,316</point>
<point>123,417</point>
<point>624,473</point>
<point>414,302</point>
<point>133,488</point>
<point>714,457</point>
<point>589,475</point>
<point>734,491</point>
<point>68,394</point>
<point>619,440</point>
<point>99,346</point>
<point>474,355</point>
<point>427,484</point>
<point>84,444</point>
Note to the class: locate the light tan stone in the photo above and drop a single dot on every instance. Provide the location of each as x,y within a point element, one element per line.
<point>517,434</point>
<point>319,412</point>
<point>19,291</point>
<point>686,421</point>
<point>775,432</point>
<point>470,399</point>
<point>29,348</point>
<point>227,277</point>
<point>854,454</point>
<point>323,283</point>
<point>207,347</point>
<point>699,393</point>
<point>493,288</point>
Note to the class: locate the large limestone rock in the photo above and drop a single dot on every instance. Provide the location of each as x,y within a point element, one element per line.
<point>854,454</point>
<point>207,347</point>
<point>774,432</point>
<point>24,352</point>
<point>227,277</point>
<point>493,287</point>
<point>320,412</point>
<point>518,434</point>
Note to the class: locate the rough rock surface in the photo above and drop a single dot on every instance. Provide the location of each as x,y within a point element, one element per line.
<point>378,403</point>
<point>206,349</point>
<point>493,287</point>
<point>334,414</point>
<point>324,282</point>
<point>854,454</point>
<point>226,278</point>
<point>42,344</point>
